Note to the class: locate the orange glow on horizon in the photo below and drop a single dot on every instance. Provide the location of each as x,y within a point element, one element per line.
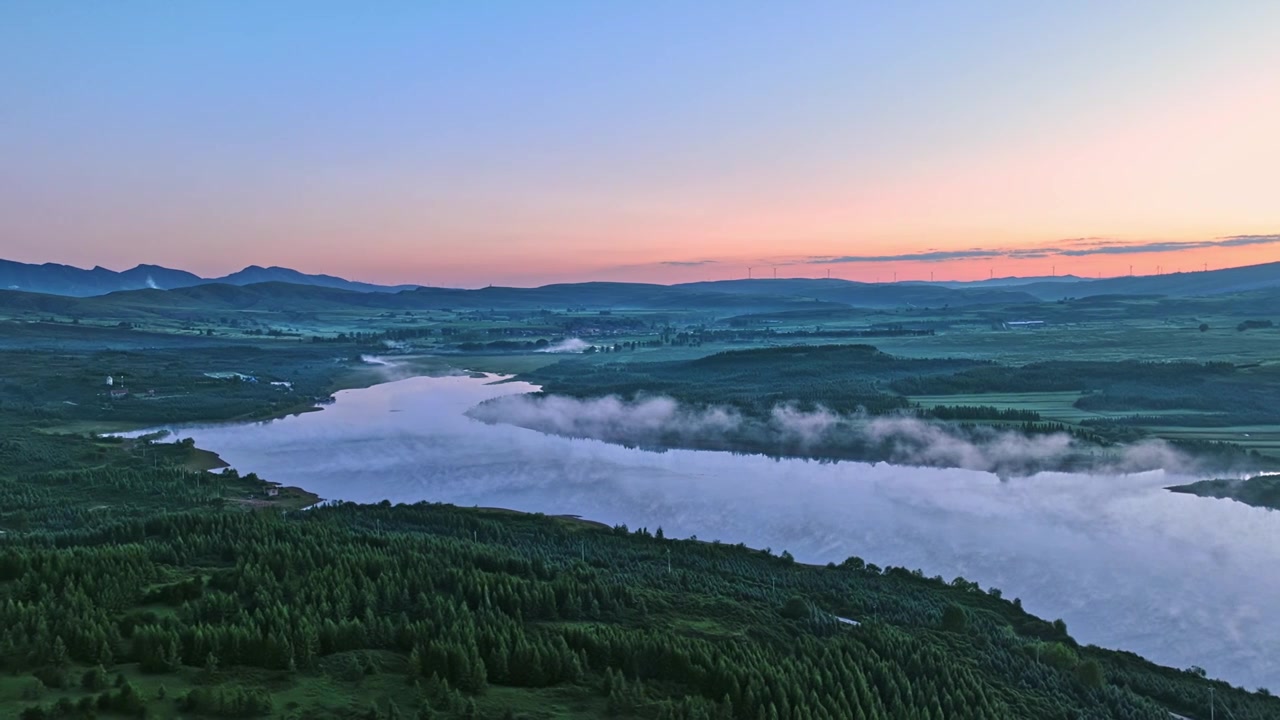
<point>550,271</point>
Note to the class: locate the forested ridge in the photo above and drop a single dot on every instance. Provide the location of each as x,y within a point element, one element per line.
<point>858,381</point>
<point>1259,491</point>
<point>842,378</point>
<point>861,378</point>
<point>1211,393</point>
<point>128,588</point>
<point>133,584</point>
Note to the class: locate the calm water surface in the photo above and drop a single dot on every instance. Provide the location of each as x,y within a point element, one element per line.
<point>1180,579</point>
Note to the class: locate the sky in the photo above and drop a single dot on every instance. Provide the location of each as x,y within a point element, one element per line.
<point>521,143</point>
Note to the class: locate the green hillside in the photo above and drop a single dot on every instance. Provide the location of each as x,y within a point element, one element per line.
<point>132,586</point>
<point>133,583</point>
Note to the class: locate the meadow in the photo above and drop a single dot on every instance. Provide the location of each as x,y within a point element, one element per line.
<point>136,582</point>
<point>327,331</point>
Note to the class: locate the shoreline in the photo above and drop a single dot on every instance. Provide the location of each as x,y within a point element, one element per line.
<point>292,497</point>
<point>288,497</point>
<point>380,374</point>
<point>357,377</point>
<point>301,499</point>
<point>1087,465</point>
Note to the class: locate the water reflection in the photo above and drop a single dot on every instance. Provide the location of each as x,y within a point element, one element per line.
<point>1180,579</point>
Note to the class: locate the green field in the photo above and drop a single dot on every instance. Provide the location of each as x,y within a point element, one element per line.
<point>1052,405</point>
<point>1264,438</point>
<point>1059,407</point>
<point>133,582</point>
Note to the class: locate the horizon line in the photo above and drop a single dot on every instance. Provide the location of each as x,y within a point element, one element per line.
<point>1066,277</point>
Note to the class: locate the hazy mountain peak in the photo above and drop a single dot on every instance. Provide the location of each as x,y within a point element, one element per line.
<point>58,279</point>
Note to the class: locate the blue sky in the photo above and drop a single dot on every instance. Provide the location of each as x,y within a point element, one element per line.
<point>522,142</point>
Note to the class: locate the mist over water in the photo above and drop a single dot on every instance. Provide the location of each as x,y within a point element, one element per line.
<point>1179,579</point>
<point>790,431</point>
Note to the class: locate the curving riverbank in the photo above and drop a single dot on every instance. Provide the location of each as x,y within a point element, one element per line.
<point>1125,562</point>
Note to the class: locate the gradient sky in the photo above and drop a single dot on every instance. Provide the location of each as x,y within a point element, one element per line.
<point>469,143</point>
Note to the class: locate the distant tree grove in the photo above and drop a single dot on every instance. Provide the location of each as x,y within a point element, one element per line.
<point>217,601</point>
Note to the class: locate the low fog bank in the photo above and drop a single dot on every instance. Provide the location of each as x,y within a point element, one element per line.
<point>1179,579</point>
<point>661,422</point>
<point>395,368</point>
<point>571,345</point>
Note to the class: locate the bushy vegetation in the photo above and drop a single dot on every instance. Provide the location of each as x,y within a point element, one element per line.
<point>1215,394</point>
<point>200,382</point>
<point>134,585</point>
<point>853,380</point>
<point>981,412</point>
<point>1255,325</point>
<point>1060,375</point>
<point>842,378</point>
<point>232,610</point>
<point>1259,491</point>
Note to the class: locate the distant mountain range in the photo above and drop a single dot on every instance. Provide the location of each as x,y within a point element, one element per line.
<point>759,295</point>
<point>55,279</point>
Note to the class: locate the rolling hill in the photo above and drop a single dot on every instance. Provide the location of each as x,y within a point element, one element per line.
<point>857,294</point>
<point>746,295</point>
<point>56,279</point>
<point>284,297</point>
<point>1182,284</point>
<point>255,274</point>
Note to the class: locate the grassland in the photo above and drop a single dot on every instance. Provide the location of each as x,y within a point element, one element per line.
<point>129,555</point>
<point>332,328</point>
<point>1059,406</point>
<point>323,327</point>
<point>1102,404</point>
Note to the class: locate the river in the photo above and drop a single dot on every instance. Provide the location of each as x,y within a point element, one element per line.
<point>1179,579</point>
